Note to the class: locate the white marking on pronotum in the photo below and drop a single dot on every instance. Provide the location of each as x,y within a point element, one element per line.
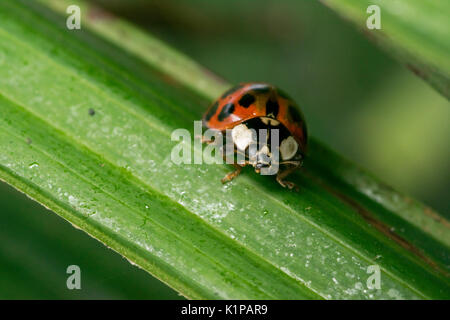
<point>242,136</point>
<point>288,148</point>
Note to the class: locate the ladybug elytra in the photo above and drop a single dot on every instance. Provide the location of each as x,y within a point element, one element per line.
<point>246,109</point>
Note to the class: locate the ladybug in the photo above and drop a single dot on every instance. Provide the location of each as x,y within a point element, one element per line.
<point>249,107</point>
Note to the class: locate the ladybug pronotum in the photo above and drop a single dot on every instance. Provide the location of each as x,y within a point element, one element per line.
<point>249,107</point>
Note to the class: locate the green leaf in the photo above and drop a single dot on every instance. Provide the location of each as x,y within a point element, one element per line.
<point>85,129</point>
<point>416,32</point>
<point>37,247</point>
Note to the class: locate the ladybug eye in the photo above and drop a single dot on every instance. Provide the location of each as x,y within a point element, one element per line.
<point>288,148</point>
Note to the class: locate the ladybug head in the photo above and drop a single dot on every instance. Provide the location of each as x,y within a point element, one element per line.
<point>265,145</point>
<point>262,158</point>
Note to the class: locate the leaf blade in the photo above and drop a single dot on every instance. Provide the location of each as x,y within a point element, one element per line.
<point>272,231</point>
<point>415,32</point>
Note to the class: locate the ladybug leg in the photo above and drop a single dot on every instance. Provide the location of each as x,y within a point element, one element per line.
<point>238,167</point>
<point>204,140</point>
<point>230,176</point>
<point>281,175</point>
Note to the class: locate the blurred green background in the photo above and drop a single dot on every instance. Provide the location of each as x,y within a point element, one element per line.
<point>355,98</point>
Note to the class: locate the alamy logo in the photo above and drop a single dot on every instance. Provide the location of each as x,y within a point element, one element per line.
<point>241,145</point>
<point>374,20</point>
<point>73,22</point>
<point>374,281</point>
<point>74,280</point>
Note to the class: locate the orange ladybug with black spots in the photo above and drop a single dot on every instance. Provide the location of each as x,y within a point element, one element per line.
<point>249,107</point>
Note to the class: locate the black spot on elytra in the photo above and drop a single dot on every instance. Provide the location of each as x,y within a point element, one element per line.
<point>231,90</point>
<point>226,111</point>
<point>211,111</point>
<point>294,114</point>
<point>272,107</point>
<point>91,112</point>
<point>246,100</point>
